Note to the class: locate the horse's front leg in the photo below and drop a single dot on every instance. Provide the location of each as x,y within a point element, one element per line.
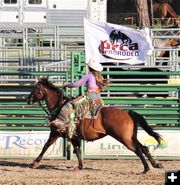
<point>52,138</point>
<point>77,150</point>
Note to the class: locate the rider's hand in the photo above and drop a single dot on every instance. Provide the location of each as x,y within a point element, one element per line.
<point>64,85</point>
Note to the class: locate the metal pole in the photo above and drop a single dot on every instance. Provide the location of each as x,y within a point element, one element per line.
<point>151,13</point>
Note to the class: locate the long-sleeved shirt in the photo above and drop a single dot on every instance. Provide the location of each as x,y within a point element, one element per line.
<point>88,80</point>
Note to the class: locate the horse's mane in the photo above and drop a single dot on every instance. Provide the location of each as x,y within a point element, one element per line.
<point>50,85</point>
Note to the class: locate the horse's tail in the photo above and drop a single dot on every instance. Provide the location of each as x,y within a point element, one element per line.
<point>137,118</point>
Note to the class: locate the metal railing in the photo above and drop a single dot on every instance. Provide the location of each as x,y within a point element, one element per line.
<point>42,48</point>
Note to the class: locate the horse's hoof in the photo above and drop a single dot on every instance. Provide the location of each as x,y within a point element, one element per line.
<point>159,165</point>
<point>144,172</point>
<point>35,164</point>
<point>77,169</point>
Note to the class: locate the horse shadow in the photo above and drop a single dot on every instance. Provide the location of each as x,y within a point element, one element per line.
<point>41,167</point>
<point>25,165</point>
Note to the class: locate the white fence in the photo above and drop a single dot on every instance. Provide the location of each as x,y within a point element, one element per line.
<point>42,48</point>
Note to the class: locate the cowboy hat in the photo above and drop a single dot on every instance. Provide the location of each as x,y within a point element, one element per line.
<point>95,65</point>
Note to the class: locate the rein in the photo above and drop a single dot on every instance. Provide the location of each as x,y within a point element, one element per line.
<point>66,100</point>
<point>45,96</point>
<point>44,109</point>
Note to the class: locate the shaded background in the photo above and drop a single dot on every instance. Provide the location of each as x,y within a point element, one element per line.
<point>117,10</point>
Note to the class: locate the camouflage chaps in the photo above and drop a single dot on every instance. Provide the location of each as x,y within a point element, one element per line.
<point>71,113</point>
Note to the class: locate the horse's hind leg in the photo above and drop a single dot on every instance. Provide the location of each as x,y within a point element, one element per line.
<point>145,150</point>
<point>76,144</point>
<point>131,145</point>
<point>52,138</point>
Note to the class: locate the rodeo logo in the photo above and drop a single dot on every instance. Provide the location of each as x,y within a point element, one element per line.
<point>119,46</point>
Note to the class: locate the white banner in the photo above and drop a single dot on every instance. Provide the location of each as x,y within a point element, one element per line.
<point>108,146</point>
<point>28,144</point>
<point>105,42</point>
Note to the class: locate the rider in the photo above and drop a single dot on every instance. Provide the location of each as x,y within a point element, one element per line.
<point>94,82</point>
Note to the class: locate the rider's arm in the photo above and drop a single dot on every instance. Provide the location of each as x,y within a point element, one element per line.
<point>78,83</point>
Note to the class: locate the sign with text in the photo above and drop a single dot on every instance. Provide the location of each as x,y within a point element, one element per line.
<point>28,144</point>
<point>108,146</point>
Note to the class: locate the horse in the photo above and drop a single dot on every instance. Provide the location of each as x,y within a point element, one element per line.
<point>164,10</point>
<point>118,123</point>
<point>165,43</point>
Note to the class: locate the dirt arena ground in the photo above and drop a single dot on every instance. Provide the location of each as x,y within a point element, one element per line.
<point>96,172</point>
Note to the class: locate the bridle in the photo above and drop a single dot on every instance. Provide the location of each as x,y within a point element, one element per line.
<point>40,88</point>
<point>44,109</point>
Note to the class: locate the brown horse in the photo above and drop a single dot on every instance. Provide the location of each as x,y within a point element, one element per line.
<point>163,44</point>
<point>165,11</point>
<point>120,124</point>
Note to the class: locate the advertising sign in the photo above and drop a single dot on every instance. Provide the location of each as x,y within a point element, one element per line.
<point>108,146</point>
<point>28,144</point>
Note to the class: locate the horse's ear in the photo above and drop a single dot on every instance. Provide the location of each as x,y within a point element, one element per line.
<point>38,79</point>
<point>47,78</point>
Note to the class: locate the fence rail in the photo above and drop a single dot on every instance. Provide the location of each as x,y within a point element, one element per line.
<point>158,101</point>
<point>148,96</point>
<point>46,45</point>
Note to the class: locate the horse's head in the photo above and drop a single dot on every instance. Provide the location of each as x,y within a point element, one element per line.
<point>37,92</point>
<point>43,90</point>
